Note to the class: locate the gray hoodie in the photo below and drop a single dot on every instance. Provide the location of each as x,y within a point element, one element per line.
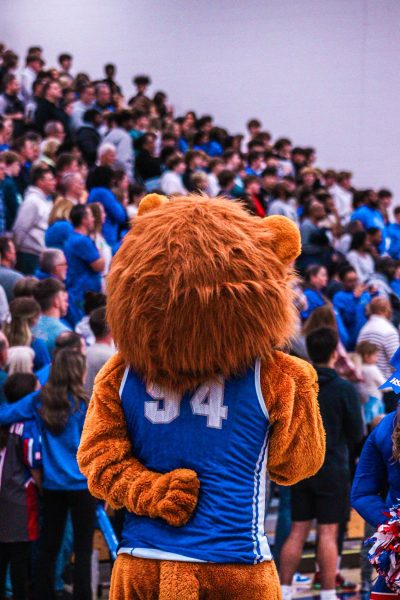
<point>32,221</point>
<point>123,147</point>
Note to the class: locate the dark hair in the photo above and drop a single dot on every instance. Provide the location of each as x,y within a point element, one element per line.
<point>64,160</point>
<point>64,56</point>
<point>77,214</point>
<point>4,245</point>
<point>46,290</point>
<point>345,270</point>
<point>90,115</point>
<point>102,177</point>
<point>253,156</point>
<point>65,381</point>
<point>358,240</point>
<point>384,193</point>
<point>321,344</point>
<point>17,386</point>
<point>68,339</point>
<point>253,123</point>
<point>98,322</point>
<point>25,287</point>
<point>38,173</point>
<point>92,301</point>
<point>269,171</point>
<point>142,80</point>
<point>396,211</point>
<point>225,178</point>
<point>312,271</point>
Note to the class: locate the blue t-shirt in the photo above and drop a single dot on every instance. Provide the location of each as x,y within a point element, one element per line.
<point>80,251</point>
<point>352,313</point>
<point>116,215</point>
<point>315,299</point>
<point>57,234</point>
<point>392,234</point>
<point>60,467</point>
<point>42,355</point>
<point>47,330</point>
<point>221,431</point>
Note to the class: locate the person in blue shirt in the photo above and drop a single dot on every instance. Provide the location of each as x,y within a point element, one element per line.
<point>60,227</point>
<point>316,280</point>
<point>350,303</point>
<point>376,485</point>
<point>53,301</point>
<point>369,216</point>
<point>85,264</point>
<point>59,410</point>
<point>116,216</point>
<point>392,234</point>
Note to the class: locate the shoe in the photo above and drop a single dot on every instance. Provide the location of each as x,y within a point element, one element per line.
<point>300,580</point>
<point>343,584</point>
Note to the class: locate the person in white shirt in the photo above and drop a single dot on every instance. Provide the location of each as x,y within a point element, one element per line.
<point>383,334</point>
<point>33,67</point>
<point>360,257</point>
<point>171,180</point>
<point>215,167</point>
<point>343,196</point>
<point>32,220</point>
<point>372,379</point>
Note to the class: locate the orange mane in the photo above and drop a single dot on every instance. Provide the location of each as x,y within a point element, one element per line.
<point>197,290</point>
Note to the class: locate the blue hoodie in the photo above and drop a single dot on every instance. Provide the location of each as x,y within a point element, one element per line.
<point>376,485</point>
<point>60,467</point>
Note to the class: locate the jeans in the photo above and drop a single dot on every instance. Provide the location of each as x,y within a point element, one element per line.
<point>83,515</point>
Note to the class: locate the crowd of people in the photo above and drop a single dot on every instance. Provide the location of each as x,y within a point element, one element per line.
<point>76,157</point>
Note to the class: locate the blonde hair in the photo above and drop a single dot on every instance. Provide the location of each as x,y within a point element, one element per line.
<point>23,312</point>
<point>60,211</point>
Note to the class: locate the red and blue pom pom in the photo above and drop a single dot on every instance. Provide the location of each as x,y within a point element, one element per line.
<point>385,551</point>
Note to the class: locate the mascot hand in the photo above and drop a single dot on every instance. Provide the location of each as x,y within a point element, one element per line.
<point>170,496</point>
<point>180,497</point>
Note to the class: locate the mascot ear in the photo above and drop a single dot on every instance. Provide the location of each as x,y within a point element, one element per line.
<point>150,202</point>
<point>285,238</point>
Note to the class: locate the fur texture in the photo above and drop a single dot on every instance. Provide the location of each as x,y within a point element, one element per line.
<point>199,288</point>
<point>133,579</point>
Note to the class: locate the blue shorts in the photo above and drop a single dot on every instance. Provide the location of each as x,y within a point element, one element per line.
<point>380,591</point>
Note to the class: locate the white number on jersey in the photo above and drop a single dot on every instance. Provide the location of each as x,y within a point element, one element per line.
<point>208,401</point>
<point>169,412</point>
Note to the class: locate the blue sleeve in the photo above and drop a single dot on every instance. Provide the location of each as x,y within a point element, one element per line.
<point>42,356</point>
<point>86,249</point>
<point>313,302</point>
<point>370,482</point>
<point>19,411</point>
<point>32,446</point>
<point>114,209</point>
<point>342,331</point>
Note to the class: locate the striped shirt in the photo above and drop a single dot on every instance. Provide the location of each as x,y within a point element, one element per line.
<point>379,331</point>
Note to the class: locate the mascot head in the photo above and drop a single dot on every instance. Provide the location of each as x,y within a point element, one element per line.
<point>199,287</point>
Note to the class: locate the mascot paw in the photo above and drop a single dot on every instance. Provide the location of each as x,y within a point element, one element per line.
<point>180,499</point>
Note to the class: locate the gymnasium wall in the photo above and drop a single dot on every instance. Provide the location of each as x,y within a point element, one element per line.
<point>324,72</point>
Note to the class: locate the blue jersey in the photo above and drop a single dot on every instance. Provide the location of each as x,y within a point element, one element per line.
<point>221,432</point>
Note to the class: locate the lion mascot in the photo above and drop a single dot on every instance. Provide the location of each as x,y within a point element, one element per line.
<point>199,406</point>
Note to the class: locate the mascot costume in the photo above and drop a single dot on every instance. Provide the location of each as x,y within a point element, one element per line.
<point>199,407</point>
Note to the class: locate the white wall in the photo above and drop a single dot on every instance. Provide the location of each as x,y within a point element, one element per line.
<point>323,72</point>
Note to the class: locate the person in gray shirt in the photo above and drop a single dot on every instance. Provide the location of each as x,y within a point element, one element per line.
<point>103,349</point>
<point>8,276</point>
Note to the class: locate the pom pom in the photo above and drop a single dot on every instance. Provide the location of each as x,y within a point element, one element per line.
<point>385,551</point>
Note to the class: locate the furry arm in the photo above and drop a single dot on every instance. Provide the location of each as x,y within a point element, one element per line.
<point>297,443</point>
<point>113,474</point>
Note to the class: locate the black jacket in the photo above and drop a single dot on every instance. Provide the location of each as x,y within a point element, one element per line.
<point>341,415</point>
<point>48,111</point>
<point>88,140</point>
